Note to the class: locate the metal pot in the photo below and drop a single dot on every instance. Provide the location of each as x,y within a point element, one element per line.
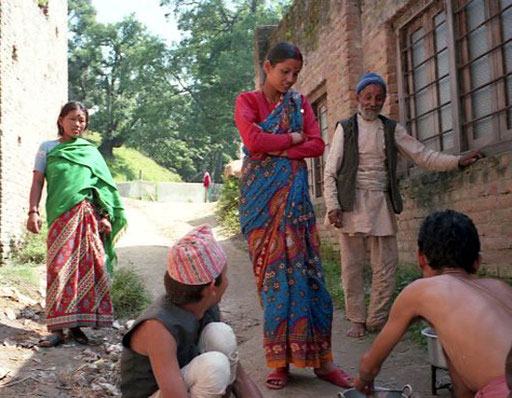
<point>379,392</point>
<point>435,349</point>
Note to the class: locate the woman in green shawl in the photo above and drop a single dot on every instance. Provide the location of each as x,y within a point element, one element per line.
<point>85,215</point>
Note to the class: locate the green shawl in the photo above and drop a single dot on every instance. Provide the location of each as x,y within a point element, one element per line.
<point>76,171</point>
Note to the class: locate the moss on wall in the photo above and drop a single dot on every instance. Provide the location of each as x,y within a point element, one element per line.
<point>428,190</point>
<point>301,25</point>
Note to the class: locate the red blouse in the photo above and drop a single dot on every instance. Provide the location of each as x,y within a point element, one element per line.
<point>252,107</point>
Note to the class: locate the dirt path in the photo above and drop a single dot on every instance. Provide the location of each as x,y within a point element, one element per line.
<point>165,222</point>
<point>77,371</point>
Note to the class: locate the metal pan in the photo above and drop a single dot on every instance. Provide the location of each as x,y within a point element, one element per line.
<point>379,392</point>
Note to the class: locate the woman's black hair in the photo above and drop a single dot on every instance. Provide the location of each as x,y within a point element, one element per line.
<point>72,106</point>
<point>283,51</point>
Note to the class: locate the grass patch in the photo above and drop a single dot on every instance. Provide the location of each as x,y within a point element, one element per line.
<point>129,296</point>
<point>24,277</point>
<point>23,268</point>
<point>33,250</point>
<point>405,274</point>
<point>128,162</point>
<point>227,206</point>
<point>332,269</point>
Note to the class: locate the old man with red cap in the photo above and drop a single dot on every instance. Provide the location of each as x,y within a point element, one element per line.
<point>362,195</point>
<point>179,347</point>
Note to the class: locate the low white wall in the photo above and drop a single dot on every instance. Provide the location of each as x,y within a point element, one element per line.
<point>168,191</point>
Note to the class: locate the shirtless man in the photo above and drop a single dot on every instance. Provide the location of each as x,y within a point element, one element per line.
<point>472,316</point>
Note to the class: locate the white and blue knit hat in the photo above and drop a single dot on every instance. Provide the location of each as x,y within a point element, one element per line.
<point>370,78</point>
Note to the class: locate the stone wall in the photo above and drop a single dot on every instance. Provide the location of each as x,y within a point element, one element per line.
<point>341,40</point>
<point>33,87</point>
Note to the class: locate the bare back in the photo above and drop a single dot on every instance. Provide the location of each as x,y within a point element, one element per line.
<point>473,319</point>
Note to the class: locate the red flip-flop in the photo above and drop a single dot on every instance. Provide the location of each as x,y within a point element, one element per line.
<point>279,375</point>
<point>337,377</point>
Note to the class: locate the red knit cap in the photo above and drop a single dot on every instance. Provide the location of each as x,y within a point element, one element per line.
<point>197,258</point>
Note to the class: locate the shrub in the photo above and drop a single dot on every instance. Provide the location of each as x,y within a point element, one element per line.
<point>227,206</point>
<point>129,296</point>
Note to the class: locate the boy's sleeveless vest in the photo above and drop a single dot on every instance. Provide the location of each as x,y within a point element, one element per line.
<point>137,378</point>
<point>346,181</point>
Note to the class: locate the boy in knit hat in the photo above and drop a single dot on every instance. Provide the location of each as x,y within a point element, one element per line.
<point>179,347</point>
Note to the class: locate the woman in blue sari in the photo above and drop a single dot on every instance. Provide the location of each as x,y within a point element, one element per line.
<point>279,130</point>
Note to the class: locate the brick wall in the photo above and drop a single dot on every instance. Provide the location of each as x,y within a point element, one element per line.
<point>328,33</point>
<point>329,36</point>
<point>33,87</point>
<point>482,191</point>
<point>342,39</point>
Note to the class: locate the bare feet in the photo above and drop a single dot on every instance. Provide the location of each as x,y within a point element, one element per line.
<point>375,327</point>
<point>357,330</point>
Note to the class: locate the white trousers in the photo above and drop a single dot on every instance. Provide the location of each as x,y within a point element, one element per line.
<point>209,374</point>
<point>384,260</point>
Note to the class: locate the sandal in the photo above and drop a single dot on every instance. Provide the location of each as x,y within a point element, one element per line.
<point>337,377</point>
<point>78,336</point>
<point>53,340</point>
<point>278,378</point>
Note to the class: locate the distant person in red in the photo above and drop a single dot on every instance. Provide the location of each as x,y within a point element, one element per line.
<point>206,184</point>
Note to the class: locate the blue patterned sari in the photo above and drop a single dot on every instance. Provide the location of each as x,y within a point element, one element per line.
<point>278,221</point>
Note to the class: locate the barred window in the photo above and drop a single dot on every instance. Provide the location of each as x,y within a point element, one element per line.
<point>427,79</point>
<point>484,63</point>
<point>455,59</point>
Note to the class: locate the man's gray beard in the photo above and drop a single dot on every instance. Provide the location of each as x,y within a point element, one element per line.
<point>369,116</point>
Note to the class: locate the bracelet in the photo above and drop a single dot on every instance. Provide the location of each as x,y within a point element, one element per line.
<point>33,211</point>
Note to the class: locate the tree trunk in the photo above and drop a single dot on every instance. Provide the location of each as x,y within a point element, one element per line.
<point>107,146</point>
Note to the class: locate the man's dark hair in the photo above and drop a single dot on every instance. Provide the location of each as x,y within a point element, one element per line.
<point>449,239</point>
<point>179,293</point>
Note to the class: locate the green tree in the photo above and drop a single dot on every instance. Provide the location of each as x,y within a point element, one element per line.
<point>81,54</point>
<point>212,64</point>
<point>120,71</point>
<point>173,104</point>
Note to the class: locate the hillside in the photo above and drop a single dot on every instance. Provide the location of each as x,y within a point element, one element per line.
<point>128,163</point>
